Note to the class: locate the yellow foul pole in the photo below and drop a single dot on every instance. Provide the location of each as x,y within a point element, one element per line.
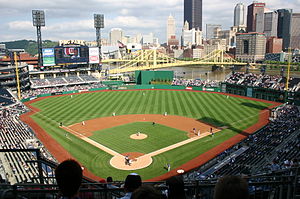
<point>17,75</point>
<point>288,71</point>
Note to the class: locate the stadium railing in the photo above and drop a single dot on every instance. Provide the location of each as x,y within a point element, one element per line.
<point>260,187</point>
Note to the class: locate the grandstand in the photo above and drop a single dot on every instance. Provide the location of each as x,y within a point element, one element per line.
<point>8,76</point>
<point>269,158</point>
<point>275,82</point>
<point>62,81</point>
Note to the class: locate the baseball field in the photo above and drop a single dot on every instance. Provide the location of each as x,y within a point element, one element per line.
<point>100,128</point>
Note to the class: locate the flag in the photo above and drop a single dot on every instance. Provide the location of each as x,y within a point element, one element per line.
<point>121,45</point>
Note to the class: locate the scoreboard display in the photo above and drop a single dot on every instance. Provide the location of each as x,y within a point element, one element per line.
<point>74,54</point>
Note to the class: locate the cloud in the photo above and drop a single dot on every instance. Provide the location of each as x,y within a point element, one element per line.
<point>20,25</point>
<point>132,22</point>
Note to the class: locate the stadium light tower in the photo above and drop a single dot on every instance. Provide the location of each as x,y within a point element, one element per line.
<point>98,24</point>
<point>38,18</point>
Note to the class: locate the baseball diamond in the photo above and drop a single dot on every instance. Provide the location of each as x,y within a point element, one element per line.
<point>110,118</point>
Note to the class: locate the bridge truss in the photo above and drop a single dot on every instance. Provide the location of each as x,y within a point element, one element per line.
<point>153,59</point>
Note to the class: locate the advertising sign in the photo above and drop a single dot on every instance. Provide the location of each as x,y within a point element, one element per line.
<point>48,57</point>
<point>94,55</point>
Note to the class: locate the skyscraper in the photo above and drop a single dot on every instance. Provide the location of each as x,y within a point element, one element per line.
<point>211,30</point>
<point>255,10</point>
<point>193,13</point>
<point>284,26</point>
<point>239,15</point>
<point>295,31</point>
<point>115,35</point>
<point>270,24</point>
<point>170,28</point>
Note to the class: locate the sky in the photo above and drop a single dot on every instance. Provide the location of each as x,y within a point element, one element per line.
<point>73,19</point>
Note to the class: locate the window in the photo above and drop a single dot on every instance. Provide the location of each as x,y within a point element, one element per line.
<point>246,47</point>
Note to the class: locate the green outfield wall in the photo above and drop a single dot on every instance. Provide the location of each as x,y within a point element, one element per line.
<point>145,77</point>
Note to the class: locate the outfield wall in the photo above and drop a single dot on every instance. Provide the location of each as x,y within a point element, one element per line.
<point>262,93</point>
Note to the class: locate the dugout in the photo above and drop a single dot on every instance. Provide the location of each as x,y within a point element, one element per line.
<point>145,77</point>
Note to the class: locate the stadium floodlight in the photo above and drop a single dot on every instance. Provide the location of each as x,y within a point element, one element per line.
<point>38,19</point>
<point>98,20</point>
<point>98,24</point>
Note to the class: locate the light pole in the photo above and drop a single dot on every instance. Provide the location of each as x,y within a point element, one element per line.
<point>38,18</point>
<point>98,24</point>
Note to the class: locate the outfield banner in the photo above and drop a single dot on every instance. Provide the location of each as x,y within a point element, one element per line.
<point>83,90</point>
<point>48,57</point>
<point>57,93</point>
<point>94,55</point>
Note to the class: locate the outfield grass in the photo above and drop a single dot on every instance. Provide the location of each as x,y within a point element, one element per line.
<point>235,113</point>
<point>159,136</point>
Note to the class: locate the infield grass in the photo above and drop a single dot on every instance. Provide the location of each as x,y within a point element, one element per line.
<point>159,136</point>
<point>235,113</point>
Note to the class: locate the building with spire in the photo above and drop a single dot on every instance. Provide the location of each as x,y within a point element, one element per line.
<point>171,28</point>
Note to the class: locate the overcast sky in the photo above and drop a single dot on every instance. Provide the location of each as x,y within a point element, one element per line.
<point>73,19</point>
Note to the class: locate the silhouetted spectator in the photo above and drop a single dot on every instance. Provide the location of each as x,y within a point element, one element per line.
<point>231,187</point>
<point>146,192</point>
<point>176,187</point>
<point>68,175</point>
<point>132,182</point>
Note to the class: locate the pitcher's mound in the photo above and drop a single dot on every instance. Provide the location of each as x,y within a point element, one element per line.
<point>138,137</point>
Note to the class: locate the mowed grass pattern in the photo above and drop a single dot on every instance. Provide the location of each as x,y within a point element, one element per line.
<point>159,136</point>
<point>235,113</point>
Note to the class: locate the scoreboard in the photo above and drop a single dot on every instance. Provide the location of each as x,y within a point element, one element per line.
<point>70,54</point>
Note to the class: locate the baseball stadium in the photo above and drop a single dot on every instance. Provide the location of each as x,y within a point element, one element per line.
<point>100,128</point>
<point>150,123</point>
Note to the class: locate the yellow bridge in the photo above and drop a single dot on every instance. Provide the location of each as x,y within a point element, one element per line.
<point>153,59</point>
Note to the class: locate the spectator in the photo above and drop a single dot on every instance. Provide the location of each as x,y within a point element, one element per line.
<point>109,181</point>
<point>68,175</point>
<point>176,187</point>
<point>231,187</point>
<point>132,182</point>
<point>146,192</point>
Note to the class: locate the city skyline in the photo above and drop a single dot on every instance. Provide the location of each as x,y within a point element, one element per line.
<point>75,21</point>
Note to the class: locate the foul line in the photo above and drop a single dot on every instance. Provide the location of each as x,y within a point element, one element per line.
<point>96,144</point>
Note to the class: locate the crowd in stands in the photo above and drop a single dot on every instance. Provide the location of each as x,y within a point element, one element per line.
<point>275,82</point>
<point>14,134</point>
<point>58,81</point>
<point>6,98</point>
<point>195,82</point>
<point>273,148</point>
<point>68,175</point>
<point>39,91</point>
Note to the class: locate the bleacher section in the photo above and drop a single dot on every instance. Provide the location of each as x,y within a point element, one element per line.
<point>275,82</point>
<point>39,91</point>
<point>62,81</point>
<point>195,82</point>
<point>6,98</point>
<point>15,135</point>
<point>89,78</point>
